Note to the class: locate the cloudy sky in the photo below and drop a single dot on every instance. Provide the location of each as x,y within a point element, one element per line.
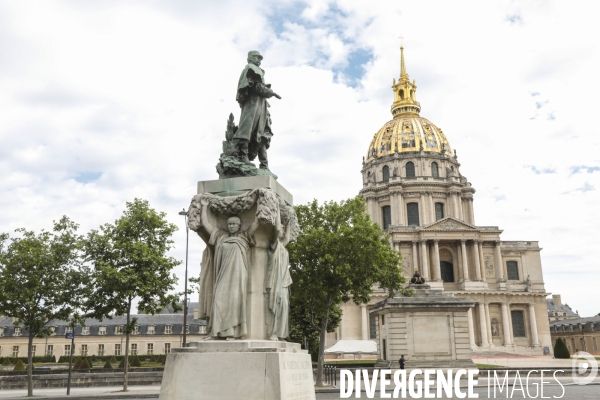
<point>105,101</point>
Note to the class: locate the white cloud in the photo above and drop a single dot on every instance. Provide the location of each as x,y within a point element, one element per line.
<point>104,102</point>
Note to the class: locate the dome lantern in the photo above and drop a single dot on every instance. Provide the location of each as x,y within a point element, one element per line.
<point>405,92</point>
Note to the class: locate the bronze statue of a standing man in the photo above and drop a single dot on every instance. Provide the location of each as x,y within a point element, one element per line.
<point>253,136</point>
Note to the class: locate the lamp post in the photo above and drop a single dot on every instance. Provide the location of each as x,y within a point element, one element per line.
<point>185,306</point>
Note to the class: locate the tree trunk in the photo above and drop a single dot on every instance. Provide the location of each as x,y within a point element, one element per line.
<point>30,366</point>
<point>126,361</point>
<point>321,357</point>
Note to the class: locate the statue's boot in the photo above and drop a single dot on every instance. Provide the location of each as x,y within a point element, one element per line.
<point>262,157</point>
<point>243,151</point>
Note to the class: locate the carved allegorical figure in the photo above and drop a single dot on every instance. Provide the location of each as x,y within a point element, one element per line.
<point>277,284</point>
<point>229,267</point>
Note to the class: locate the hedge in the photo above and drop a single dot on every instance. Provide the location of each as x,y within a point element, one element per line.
<point>561,350</point>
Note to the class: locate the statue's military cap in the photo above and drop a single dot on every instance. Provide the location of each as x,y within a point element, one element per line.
<point>254,53</point>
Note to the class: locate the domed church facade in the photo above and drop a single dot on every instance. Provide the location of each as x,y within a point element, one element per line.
<point>415,190</point>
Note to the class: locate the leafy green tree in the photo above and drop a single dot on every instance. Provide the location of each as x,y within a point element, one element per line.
<point>41,279</point>
<point>130,262</point>
<point>340,255</point>
<point>561,350</point>
<point>108,365</point>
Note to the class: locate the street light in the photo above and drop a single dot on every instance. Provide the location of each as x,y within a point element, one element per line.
<point>185,306</point>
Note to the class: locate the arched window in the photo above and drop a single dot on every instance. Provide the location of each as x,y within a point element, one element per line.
<point>401,93</point>
<point>512,270</point>
<point>447,271</point>
<point>386,173</point>
<point>439,211</point>
<point>435,171</point>
<point>410,169</point>
<point>386,213</point>
<point>412,210</point>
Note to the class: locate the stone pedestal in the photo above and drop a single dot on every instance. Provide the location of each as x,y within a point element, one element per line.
<point>431,330</point>
<point>238,369</point>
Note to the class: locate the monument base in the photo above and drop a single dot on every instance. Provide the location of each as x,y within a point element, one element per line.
<point>238,369</point>
<point>430,329</point>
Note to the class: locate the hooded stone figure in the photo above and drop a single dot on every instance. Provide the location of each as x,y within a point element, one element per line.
<point>253,136</point>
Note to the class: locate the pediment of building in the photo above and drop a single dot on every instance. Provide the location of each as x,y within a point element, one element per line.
<point>449,224</point>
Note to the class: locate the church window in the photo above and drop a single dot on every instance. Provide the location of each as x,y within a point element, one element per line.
<point>512,270</point>
<point>439,211</point>
<point>412,210</point>
<point>386,213</point>
<point>447,271</point>
<point>401,93</point>
<point>386,173</point>
<point>518,323</point>
<point>410,169</point>
<point>435,171</point>
<point>372,327</point>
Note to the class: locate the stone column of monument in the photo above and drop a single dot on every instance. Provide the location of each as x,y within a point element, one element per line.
<point>364,316</point>
<point>465,264</point>
<point>471,329</point>
<point>488,325</point>
<point>246,219</point>
<point>424,263</point>
<point>506,326</point>
<point>477,261</point>
<point>482,261</point>
<point>415,257</point>
<point>459,263</point>
<point>533,326</point>
<point>437,275</point>
<point>482,325</point>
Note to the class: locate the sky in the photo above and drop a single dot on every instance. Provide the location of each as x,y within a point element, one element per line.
<point>103,102</point>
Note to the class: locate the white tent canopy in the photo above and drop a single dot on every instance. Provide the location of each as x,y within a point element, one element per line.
<point>353,347</point>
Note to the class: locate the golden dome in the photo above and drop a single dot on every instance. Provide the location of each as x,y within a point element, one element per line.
<point>408,131</point>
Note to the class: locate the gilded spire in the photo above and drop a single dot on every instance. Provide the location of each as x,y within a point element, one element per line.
<point>405,92</point>
<point>403,74</point>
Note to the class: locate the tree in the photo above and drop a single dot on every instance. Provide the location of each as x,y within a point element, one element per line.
<point>41,279</point>
<point>130,262</point>
<point>340,255</point>
<point>561,350</point>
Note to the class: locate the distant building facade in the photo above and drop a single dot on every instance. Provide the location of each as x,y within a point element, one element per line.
<point>155,334</point>
<point>557,311</point>
<point>580,334</point>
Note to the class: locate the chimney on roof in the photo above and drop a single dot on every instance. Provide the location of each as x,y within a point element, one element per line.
<point>556,300</point>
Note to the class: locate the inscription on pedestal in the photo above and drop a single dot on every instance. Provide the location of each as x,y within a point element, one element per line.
<point>297,379</point>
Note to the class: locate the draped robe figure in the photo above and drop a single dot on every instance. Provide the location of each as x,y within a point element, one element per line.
<point>278,293</point>
<point>224,276</point>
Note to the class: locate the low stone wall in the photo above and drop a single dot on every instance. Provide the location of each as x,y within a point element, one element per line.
<point>80,379</point>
